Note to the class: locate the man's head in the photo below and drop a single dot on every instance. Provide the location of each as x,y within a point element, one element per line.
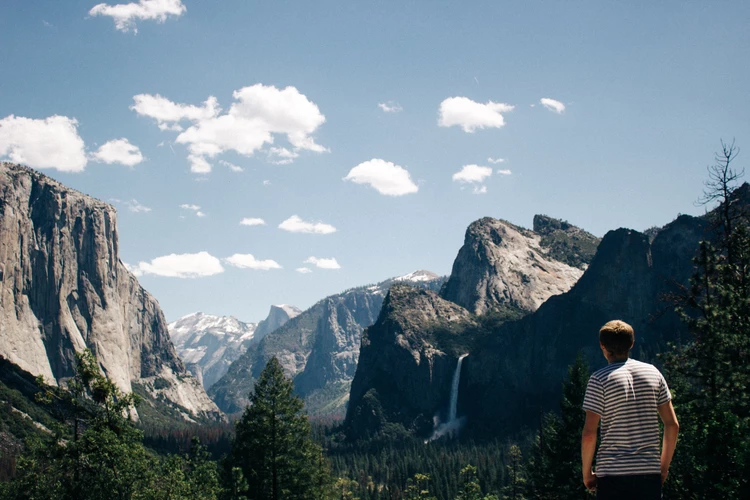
<point>616,339</point>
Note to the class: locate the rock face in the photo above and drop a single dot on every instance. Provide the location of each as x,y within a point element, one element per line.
<point>403,375</point>
<point>63,289</point>
<point>501,265</point>
<point>319,348</point>
<point>518,370</point>
<point>277,317</point>
<point>515,367</point>
<point>210,344</point>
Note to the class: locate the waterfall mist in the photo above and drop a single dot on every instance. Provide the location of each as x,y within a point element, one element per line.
<point>454,424</point>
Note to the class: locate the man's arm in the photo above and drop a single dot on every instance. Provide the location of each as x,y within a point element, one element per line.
<point>588,448</point>
<point>671,428</point>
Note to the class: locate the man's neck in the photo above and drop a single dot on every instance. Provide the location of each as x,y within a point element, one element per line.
<point>619,360</point>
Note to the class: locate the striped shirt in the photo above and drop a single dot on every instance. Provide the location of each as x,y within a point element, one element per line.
<point>625,394</point>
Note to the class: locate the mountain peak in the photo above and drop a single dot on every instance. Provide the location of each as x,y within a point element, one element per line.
<point>418,276</point>
<point>503,264</point>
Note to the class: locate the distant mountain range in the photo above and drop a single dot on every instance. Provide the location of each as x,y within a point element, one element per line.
<point>208,344</point>
<point>319,348</point>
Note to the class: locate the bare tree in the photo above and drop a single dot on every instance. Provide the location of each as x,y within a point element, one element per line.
<point>722,181</point>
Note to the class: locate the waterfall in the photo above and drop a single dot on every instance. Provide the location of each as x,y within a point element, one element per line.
<point>454,423</point>
<point>454,389</point>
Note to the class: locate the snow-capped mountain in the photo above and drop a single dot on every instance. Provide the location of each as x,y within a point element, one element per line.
<point>208,344</point>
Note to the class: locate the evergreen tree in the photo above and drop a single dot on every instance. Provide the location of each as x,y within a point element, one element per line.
<point>555,471</point>
<point>471,489</point>
<point>710,373</point>
<point>516,474</point>
<point>101,456</point>
<point>273,448</point>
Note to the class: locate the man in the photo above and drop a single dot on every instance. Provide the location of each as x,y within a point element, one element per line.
<point>626,396</point>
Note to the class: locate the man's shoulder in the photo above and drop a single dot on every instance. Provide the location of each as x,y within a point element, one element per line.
<point>631,365</point>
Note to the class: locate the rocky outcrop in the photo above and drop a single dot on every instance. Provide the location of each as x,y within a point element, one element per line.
<point>503,265</point>
<point>518,370</point>
<point>404,375</point>
<point>63,289</point>
<point>319,348</point>
<point>277,317</point>
<point>565,242</point>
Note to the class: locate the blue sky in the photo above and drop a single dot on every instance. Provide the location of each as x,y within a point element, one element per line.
<point>648,89</point>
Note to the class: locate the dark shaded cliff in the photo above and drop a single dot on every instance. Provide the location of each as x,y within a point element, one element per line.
<point>403,375</point>
<point>518,370</point>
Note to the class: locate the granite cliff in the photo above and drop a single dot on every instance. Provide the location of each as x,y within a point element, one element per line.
<point>63,289</point>
<point>503,265</point>
<point>501,273</point>
<point>531,318</point>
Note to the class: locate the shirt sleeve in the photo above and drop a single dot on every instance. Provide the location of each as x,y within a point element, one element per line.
<point>664,396</point>
<point>594,399</point>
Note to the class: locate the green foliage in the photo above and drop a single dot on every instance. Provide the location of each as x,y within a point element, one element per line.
<point>100,455</point>
<point>555,467</point>
<point>273,448</point>
<point>710,374</point>
<point>470,486</point>
<point>417,488</point>
<point>516,472</point>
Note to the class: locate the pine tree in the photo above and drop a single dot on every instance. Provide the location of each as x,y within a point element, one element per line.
<point>710,373</point>
<point>470,488</point>
<point>555,471</point>
<point>516,474</point>
<point>273,448</point>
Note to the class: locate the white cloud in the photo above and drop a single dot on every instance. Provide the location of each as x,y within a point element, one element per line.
<point>248,261</point>
<point>323,263</point>
<point>200,214</point>
<point>134,206</point>
<point>281,156</point>
<point>386,177</point>
<point>504,171</point>
<point>199,165</point>
<point>188,206</point>
<point>232,166</point>
<point>186,265</point>
<point>266,182</point>
<point>126,14</point>
<point>470,115</point>
<point>390,107</point>
<point>479,190</point>
<point>51,142</point>
<point>167,113</point>
<point>303,270</point>
<point>472,174</point>
<point>495,161</point>
<point>118,151</point>
<point>252,221</point>
<point>552,105</point>
<point>257,114</point>
<point>295,224</point>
